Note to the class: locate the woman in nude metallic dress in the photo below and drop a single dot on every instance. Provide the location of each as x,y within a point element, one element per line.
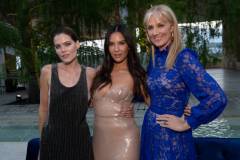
<point>118,80</point>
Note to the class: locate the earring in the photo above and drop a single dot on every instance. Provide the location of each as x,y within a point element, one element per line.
<point>172,35</point>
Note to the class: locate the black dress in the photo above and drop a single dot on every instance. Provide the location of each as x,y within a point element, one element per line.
<point>67,136</point>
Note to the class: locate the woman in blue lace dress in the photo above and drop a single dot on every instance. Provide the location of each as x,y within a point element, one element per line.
<point>174,73</point>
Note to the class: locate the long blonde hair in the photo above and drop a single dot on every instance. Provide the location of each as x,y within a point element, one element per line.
<point>176,45</point>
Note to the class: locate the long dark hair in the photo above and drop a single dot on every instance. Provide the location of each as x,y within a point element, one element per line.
<point>103,76</point>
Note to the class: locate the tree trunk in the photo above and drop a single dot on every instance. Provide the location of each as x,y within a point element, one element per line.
<point>117,13</point>
<point>33,90</point>
<point>231,38</point>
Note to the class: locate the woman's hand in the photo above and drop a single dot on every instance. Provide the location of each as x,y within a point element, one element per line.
<point>187,110</point>
<point>127,111</point>
<point>172,122</point>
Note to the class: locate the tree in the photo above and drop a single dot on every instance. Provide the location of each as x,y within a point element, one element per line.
<point>9,35</point>
<point>231,32</point>
<point>35,20</point>
<point>9,38</point>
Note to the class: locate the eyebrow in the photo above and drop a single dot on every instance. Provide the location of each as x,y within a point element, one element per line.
<point>123,40</point>
<point>63,42</point>
<point>67,41</point>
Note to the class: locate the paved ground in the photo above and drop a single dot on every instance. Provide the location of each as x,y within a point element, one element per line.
<point>13,150</point>
<point>18,123</point>
<point>11,115</point>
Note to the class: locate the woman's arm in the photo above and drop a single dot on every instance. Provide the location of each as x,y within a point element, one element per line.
<point>44,88</point>
<point>91,73</point>
<point>128,112</point>
<point>146,98</point>
<point>212,99</point>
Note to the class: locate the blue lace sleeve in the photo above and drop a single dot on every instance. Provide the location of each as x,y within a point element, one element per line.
<point>212,99</point>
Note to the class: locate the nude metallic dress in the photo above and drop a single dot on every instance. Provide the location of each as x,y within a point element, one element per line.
<point>114,137</point>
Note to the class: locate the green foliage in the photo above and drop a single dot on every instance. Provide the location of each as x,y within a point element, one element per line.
<point>90,56</point>
<point>9,35</point>
<point>88,17</point>
<point>35,21</point>
<point>144,46</point>
<point>46,54</point>
<point>197,38</point>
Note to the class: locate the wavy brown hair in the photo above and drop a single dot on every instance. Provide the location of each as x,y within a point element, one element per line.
<point>103,76</point>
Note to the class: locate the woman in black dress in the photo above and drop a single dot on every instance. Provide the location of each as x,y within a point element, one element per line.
<point>64,102</point>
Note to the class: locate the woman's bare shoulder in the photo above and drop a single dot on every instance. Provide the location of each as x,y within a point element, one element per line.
<point>46,70</point>
<point>91,72</point>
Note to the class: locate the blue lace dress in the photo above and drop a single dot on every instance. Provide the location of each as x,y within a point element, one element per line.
<point>169,92</point>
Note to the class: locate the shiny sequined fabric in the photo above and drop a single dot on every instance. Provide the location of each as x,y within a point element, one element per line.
<point>114,137</point>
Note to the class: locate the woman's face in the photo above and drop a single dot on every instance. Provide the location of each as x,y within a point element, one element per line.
<point>118,47</point>
<point>159,31</point>
<point>65,47</point>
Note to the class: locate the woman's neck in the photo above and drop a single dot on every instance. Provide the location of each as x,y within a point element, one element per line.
<point>161,48</point>
<point>120,66</point>
<point>70,66</point>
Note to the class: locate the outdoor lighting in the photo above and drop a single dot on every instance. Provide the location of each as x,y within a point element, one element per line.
<point>18,97</point>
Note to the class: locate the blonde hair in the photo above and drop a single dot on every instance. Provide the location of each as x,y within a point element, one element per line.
<point>176,45</point>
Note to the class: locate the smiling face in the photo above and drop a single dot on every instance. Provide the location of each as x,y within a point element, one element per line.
<point>118,47</point>
<point>66,48</point>
<point>159,31</point>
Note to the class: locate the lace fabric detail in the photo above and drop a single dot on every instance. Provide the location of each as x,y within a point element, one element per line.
<point>169,91</point>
